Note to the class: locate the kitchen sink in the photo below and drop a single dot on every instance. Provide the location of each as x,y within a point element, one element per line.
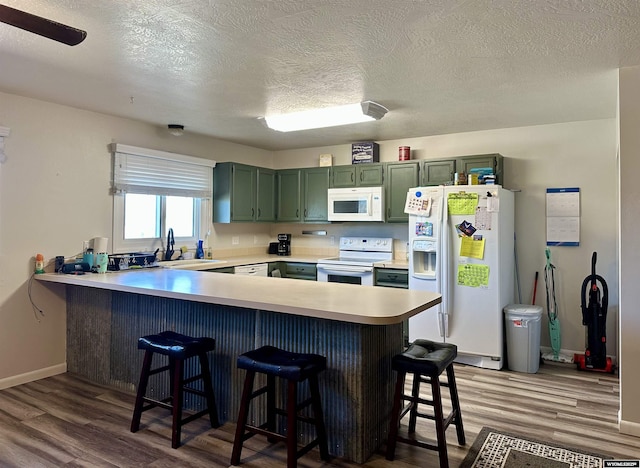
<point>192,264</point>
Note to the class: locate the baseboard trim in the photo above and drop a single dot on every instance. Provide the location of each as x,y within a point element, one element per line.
<point>629,428</point>
<point>33,375</point>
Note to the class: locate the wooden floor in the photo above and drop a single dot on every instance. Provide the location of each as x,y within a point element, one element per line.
<point>65,421</point>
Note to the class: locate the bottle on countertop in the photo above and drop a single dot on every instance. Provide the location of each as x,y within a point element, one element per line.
<point>39,264</point>
<point>199,250</point>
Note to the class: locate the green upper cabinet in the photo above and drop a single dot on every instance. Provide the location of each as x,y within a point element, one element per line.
<point>315,185</point>
<point>357,175</point>
<point>437,172</point>
<point>494,161</point>
<point>289,195</point>
<point>243,193</point>
<point>266,195</point>
<point>401,176</point>
<point>233,192</point>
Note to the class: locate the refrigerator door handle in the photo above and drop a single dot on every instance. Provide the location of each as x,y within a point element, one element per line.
<point>445,325</point>
<point>441,330</point>
<point>446,256</point>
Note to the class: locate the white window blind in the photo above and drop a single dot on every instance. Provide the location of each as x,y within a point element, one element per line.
<point>140,170</point>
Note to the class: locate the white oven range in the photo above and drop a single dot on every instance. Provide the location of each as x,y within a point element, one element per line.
<point>354,265</point>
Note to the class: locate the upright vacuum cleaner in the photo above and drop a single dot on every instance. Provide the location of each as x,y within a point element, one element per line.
<point>594,317</point>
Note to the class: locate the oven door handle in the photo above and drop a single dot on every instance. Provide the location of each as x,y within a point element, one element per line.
<point>344,269</point>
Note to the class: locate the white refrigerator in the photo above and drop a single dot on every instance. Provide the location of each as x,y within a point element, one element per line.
<point>461,245</point>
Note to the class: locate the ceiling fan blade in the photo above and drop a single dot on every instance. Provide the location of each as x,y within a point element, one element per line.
<point>41,26</point>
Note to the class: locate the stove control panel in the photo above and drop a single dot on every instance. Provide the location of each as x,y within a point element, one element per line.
<point>367,244</point>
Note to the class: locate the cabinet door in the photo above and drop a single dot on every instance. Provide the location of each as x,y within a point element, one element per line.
<point>494,161</point>
<point>437,172</point>
<point>316,184</point>
<point>343,176</point>
<point>400,178</point>
<point>266,195</point>
<point>243,195</point>
<point>289,198</point>
<point>368,175</point>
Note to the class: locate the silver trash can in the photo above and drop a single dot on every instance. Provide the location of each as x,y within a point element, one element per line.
<point>523,337</point>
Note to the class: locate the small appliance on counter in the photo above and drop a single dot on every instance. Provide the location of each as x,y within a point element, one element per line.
<point>284,244</point>
<point>273,247</point>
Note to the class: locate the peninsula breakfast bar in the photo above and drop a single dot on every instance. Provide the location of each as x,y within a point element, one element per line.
<point>358,329</point>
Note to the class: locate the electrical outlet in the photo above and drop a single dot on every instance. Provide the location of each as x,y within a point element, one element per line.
<point>235,240</point>
<point>332,240</point>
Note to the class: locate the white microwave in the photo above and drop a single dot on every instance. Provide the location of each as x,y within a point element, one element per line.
<point>356,204</point>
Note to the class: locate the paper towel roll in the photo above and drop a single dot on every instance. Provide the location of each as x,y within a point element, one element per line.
<point>100,244</point>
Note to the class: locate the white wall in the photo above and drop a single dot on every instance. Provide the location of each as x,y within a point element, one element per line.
<point>54,193</point>
<point>577,154</point>
<point>629,109</point>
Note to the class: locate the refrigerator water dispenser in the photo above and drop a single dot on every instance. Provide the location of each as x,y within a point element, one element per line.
<point>424,259</point>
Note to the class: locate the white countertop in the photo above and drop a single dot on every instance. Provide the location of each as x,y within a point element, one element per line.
<point>266,258</point>
<point>334,301</point>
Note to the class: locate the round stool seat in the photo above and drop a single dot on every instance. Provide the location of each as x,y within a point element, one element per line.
<point>176,345</point>
<point>280,363</point>
<point>425,357</point>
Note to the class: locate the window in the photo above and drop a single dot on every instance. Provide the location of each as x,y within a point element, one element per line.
<point>154,191</point>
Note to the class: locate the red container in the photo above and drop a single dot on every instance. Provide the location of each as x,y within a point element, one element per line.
<point>404,153</point>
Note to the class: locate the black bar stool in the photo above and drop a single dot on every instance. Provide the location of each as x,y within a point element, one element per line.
<point>178,348</point>
<point>426,360</point>
<point>294,368</point>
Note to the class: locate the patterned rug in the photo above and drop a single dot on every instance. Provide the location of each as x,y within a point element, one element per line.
<point>493,449</point>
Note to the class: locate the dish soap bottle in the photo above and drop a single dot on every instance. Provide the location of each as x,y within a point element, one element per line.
<point>199,250</point>
<point>39,264</point>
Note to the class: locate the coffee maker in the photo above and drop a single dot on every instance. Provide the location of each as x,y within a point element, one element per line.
<point>284,244</point>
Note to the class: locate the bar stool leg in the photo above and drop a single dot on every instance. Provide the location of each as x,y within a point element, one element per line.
<point>242,417</point>
<point>455,403</point>
<point>415,394</point>
<point>439,420</point>
<point>271,406</point>
<point>395,416</point>
<point>176,426</point>
<point>292,424</point>
<point>208,390</point>
<point>321,432</point>
<point>142,389</point>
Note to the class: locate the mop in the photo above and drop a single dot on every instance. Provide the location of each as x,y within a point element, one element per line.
<point>552,314</point>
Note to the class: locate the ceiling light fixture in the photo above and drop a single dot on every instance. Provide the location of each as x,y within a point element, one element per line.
<point>327,117</point>
<point>176,129</point>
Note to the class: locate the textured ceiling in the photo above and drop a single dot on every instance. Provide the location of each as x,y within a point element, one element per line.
<point>439,66</point>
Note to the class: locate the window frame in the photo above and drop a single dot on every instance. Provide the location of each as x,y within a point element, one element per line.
<point>202,209</point>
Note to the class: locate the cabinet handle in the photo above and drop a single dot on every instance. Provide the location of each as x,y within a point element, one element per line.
<point>259,212</point>
<point>253,212</point>
<point>352,177</point>
<point>297,213</point>
<point>305,212</point>
<point>361,176</point>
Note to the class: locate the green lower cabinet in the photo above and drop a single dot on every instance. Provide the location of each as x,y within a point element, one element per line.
<point>304,271</point>
<point>391,278</point>
<point>221,270</point>
<point>400,177</point>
